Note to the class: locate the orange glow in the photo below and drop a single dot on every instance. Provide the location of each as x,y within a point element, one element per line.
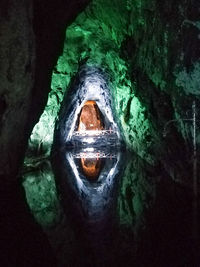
<point>90,118</point>
<point>91,168</point>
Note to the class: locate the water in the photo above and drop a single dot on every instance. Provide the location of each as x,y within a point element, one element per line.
<point>124,213</point>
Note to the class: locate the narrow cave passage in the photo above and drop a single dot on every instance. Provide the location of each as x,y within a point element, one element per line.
<point>120,208</point>
<point>90,118</point>
<point>110,90</point>
<point>87,114</point>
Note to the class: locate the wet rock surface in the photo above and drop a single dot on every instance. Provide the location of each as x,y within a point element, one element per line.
<point>31,33</point>
<point>149,53</point>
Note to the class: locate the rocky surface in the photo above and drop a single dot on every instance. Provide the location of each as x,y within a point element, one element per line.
<point>17,64</point>
<point>151,58</point>
<point>31,33</point>
<point>150,53</point>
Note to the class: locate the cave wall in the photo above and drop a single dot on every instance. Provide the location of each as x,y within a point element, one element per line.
<point>165,63</point>
<point>95,39</point>
<point>150,51</point>
<point>17,65</point>
<point>165,69</point>
<point>31,34</point>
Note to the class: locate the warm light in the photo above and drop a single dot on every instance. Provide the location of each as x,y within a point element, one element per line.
<point>91,167</point>
<point>90,119</point>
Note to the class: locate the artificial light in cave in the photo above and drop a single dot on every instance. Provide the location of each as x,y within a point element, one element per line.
<point>90,118</point>
<point>97,45</point>
<point>91,167</point>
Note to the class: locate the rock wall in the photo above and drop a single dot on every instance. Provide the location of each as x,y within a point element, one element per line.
<point>17,64</point>
<point>31,33</point>
<point>150,51</point>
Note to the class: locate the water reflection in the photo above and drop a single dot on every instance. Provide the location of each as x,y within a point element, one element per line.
<point>115,217</point>
<point>91,168</point>
<point>88,183</point>
<point>90,162</point>
<point>92,177</point>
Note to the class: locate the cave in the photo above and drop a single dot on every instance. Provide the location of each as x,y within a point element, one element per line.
<point>99,133</point>
<point>90,118</point>
<point>87,114</point>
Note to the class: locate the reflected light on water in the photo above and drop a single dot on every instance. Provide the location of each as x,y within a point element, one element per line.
<point>91,167</point>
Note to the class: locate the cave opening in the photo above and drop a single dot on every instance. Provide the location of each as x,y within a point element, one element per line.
<point>111,171</point>
<point>103,98</point>
<point>90,117</point>
<point>91,167</point>
<point>87,114</point>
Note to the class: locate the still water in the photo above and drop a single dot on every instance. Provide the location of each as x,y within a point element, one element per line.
<point>111,208</point>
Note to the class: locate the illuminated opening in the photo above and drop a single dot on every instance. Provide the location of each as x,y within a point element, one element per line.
<point>90,118</point>
<point>91,167</point>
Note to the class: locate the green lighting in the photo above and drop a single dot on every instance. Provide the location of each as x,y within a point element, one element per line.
<point>96,38</point>
<point>137,195</point>
<point>41,195</point>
